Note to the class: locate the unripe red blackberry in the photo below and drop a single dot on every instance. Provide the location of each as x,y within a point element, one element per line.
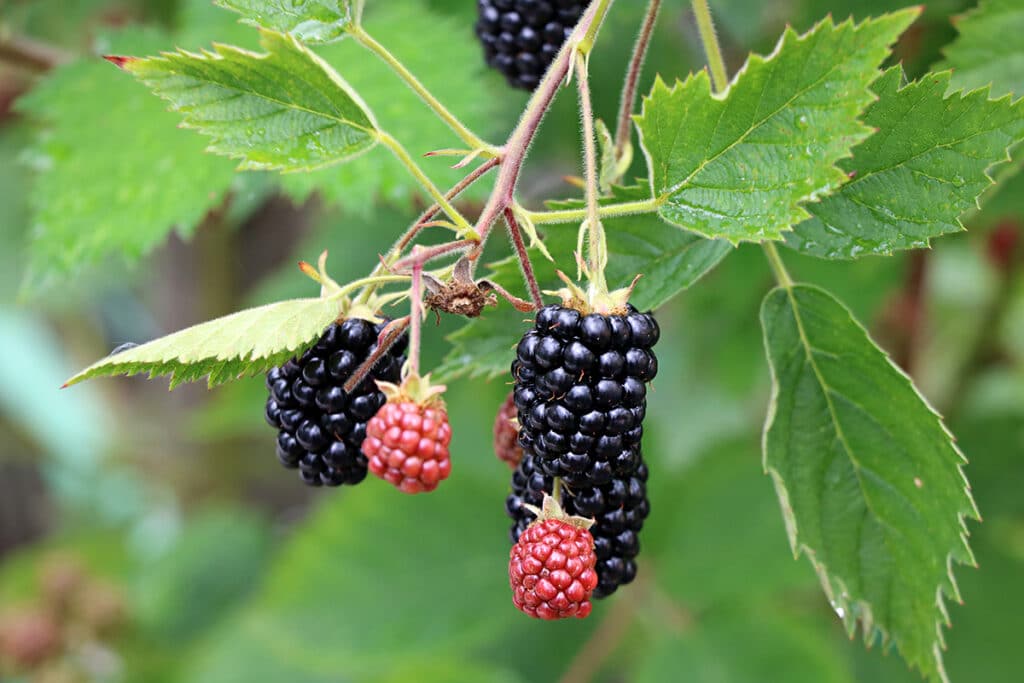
<point>521,37</point>
<point>506,434</point>
<point>551,565</point>
<point>407,440</point>
<point>320,426</point>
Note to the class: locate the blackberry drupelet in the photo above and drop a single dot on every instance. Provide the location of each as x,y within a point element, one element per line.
<point>581,396</point>
<point>321,427</point>
<point>521,37</point>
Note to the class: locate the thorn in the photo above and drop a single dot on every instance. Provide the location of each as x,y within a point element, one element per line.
<point>120,62</point>
<point>64,386</point>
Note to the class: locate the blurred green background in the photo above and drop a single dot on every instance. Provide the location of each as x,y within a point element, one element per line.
<point>148,536</point>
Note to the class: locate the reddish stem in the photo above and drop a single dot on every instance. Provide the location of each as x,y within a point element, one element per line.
<point>416,313</point>
<point>636,65</point>
<point>426,254</point>
<point>516,234</point>
<point>391,335</point>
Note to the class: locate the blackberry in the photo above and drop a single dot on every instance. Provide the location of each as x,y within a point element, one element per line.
<point>521,37</point>
<point>619,509</point>
<point>320,426</point>
<point>581,395</point>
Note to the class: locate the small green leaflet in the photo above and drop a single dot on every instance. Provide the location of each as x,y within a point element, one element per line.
<point>869,480</point>
<point>741,164</point>
<point>286,109</point>
<point>241,344</point>
<point>989,49</point>
<point>669,259</point>
<point>311,21</point>
<point>927,164</point>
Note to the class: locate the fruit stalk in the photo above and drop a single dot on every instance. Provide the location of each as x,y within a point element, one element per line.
<point>636,63</point>
<point>597,250</point>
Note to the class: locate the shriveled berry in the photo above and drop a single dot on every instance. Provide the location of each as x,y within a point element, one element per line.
<point>506,436</point>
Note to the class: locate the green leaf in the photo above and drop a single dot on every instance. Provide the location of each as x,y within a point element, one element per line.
<point>669,259</point>
<point>311,21</point>
<point>927,164</point>
<point>989,49</point>
<point>286,109</point>
<point>445,59</point>
<point>741,164</point>
<point>94,196</point>
<point>237,345</point>
<point>869,480</point>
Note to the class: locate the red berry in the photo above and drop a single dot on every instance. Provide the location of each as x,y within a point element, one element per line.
<point>551,570</point>
<point>506,436</point>
<point>407,445</point>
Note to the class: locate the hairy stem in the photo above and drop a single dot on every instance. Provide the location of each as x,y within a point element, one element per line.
<point>606,211</point>
<point>453,122</point>
<point>624,128</point>
<point>516,235</point>
<point>596,248</point>
<point>416,314</point>
<point>397,329</point>
<point>424,255</point>
<point>464,228</point>
<point>706,27</point>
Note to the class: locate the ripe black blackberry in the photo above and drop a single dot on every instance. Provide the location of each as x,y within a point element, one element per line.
<point>521,37</point>
<point>581,394</point>
<point>581,397</point>
<point>619,509</point>
<point>321,427</point>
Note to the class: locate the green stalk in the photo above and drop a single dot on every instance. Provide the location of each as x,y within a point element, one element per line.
<point>453,122</point>
<point>706,27</point>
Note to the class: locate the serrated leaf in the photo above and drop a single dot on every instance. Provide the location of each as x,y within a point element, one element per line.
<point>94,196</point>
<point>989,49</point>
<point>740,165</point>
<point>237,345</point>
<point>669,259</point>
<point>311,21</point>
<point>927,164</point>
<point>869,480</point>
<point>286,109</point>
<point>445,59</point>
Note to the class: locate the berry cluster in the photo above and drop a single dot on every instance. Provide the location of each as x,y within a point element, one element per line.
<point>522,37</point>
<point>580,392</point>
<point>321,427</point>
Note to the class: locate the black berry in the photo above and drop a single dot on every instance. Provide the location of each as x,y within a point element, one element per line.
<point>520,38</point>
<point>320,426</point>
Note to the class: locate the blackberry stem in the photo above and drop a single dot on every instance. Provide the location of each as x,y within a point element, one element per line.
<point>608,210</point>
<point>624,129</point>
<point>416,312</point>
<point>556,490</point>
<point>464,228</point>
<point>516,235</point>
<point>597,248</point>
<point>453,122</point>
<point>706,28</point>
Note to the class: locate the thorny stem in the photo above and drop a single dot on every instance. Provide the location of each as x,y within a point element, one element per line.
<point>516,235</point>
<point>608,210</point>
<point>464,228</point>
<point>624,128</point>
<point>706,27</point>
<point>522,136</point>
<point>596,248</point>
<point>460,129</point>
